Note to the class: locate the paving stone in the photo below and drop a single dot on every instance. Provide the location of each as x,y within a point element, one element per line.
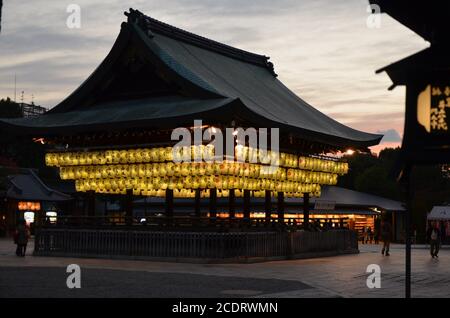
<point>337,276</point>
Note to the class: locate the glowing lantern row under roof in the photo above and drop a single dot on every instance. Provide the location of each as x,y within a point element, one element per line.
<point>165,154</point>
<point>151,187</point>
<point>150,172</point>
<point>163,170</point>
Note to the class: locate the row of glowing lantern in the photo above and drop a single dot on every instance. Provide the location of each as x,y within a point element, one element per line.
<point>194,153</point>
<point>204,182</point>
<point>205,193</point>
<point>28,206</point>
<point>196,169</point>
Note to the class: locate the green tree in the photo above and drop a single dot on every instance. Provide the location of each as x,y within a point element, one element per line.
<point>378,176</point>
<point>358,163</point>
<point>9,109</point>
<point>376,180</point>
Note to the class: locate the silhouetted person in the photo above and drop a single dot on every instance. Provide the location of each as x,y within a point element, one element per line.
<point>317,225</point>
<point>434,237</point>
<point>377,230</point>
<point>21,237</point>
<point>386,236</point>
<point>364,233</point>
<point>369,235</point>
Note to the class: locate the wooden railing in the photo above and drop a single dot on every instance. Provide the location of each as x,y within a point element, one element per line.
<point>203,245</point>
<point>178,223</point>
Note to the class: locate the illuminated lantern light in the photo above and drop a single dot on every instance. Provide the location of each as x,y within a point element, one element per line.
<point>244,175</point>
<point>185,169</point>
<point>50,159</point>
<point>209,168</point>
<point>79,186</point>
<point>139,156</point>
<point>153,155</point>
<point>252,155</point>
<point>209,153</point>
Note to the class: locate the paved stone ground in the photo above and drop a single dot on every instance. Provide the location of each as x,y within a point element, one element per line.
<point>338,276</point>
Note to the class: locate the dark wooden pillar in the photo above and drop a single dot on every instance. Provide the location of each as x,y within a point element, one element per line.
<point>212,203</point>
<point>280,207</point>
<point>246,205</point>
<point>232,204</point>
<point>40,218</point>
<point>169,205</point>
<point>91,203</point>
<point>197,206</point>
<point>268,205</point>
<point>306,211</point>
<point>129,207</point>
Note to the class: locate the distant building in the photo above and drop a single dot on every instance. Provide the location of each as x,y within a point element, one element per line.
<point>27,197</point>
<point>30,110</point>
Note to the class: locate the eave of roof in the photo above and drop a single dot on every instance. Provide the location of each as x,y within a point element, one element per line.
<point>431,59</point>
<point>126,114</point>
<point>29,187</point>
<point>429,20</point>
<point>350,198</point>
<point>346,201</point>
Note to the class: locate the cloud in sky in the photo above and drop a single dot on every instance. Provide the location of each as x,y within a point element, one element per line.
<point>322,49</point>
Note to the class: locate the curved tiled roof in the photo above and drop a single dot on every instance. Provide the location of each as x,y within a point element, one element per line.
<point>29,187</point>
<point>212,73</point>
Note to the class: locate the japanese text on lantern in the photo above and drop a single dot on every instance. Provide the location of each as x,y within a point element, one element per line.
<point>432,106</point>
<point>439,102</point>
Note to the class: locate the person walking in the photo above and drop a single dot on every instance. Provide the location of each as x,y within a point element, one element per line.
<point>369,235</point>
<point>21,237</point>
<point>363,235</point>
<point>386,234</point>
<point>376,230</point>
<point>434,237</point>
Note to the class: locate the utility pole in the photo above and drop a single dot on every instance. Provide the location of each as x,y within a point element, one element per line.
<point>15,85</point>
<point>1,5</point>
<point>408,216</point>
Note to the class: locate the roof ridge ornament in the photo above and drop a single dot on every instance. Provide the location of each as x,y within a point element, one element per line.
<point>133,15</point>
<point>138,18</point>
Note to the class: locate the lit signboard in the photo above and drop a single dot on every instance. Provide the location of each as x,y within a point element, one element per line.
<point>29,217</point>
<point>51,215</point>
<point>29,206</point>
<point>324,205</point>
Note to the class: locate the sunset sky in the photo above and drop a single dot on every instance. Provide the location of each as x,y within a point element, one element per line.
<point>322,49</point>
